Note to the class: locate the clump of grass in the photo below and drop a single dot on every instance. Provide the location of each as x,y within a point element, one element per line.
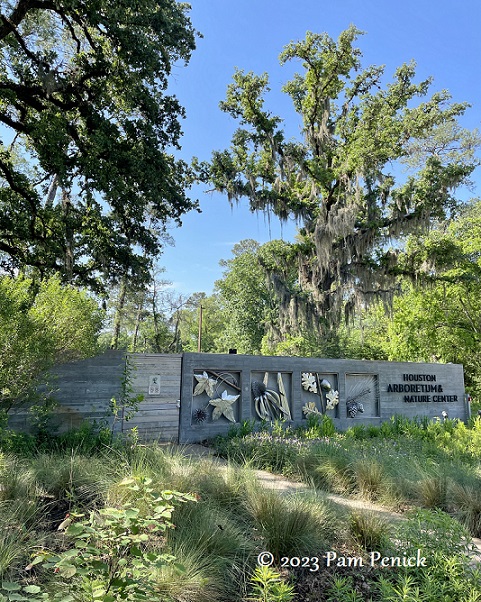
<point>75,478</point>
<point>224,486</point>
<point>147,460</point>
<point>369,531</point>
<point>204,531</point>
<point>200,577</point>
<point>467,499</point>
<point>16,480</point>
<point>433,492</point>
<point>370,477</point>
<point>17,534</point>
<point>287,526</point>
<point>334,473</point>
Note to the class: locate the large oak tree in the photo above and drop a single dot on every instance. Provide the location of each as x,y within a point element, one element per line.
<point>87,175</point>
<point>377,161</point>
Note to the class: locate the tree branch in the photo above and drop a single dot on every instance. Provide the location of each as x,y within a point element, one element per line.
<point>10,23</point>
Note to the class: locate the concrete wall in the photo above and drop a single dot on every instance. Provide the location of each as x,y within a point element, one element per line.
<point>383,388</point>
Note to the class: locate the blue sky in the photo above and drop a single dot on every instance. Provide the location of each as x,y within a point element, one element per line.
<point>442,36</point>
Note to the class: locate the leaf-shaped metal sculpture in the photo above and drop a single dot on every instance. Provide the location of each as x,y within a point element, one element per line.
<point>332,399</point>
<point>283,397</point>
<point>204,383</point>
<point>309,382</point>
<point>223,406</point>
<point>310,408</point>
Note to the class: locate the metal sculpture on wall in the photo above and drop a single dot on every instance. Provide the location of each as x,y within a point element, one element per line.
<point>353,408</point>
<point>315,384</point>
<point>362,386</point>
<point>221,401</point>
<point>270,404</point>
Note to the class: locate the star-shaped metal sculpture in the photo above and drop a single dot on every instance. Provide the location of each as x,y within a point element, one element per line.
<point>204,383</point>
<point>223,406</point>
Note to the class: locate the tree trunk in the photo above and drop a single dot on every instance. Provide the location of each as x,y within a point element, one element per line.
<point>119,313</point>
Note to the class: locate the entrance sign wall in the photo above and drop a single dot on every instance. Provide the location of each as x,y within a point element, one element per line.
<point>219,390</point>
<point>195,396</point>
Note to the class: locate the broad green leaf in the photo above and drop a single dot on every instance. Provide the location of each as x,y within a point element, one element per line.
<point>98,592</point>
<point>11,586</point>
<point>67,570</point>
<point>75,529</point>
<point>36,560</point>
<point>32,589</point>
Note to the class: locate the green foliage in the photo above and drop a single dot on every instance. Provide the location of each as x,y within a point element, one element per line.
<point>214,322</point>
<point>369,476</point>
<point>127,405</point>
<point>337,178</point>
<point>268,586</point>
<point>245,299</point>
<point>112,558</point>
<point>369,531</point>
<point>318,427</point>
<point>342,590</point>
<point>143,318</point>
<point>288,527</point>
<point>59,323</point>
<point>448,574</point>
<point>83,95</point>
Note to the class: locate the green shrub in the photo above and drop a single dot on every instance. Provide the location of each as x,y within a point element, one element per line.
<point>318,427</point>
<point>115,552</point>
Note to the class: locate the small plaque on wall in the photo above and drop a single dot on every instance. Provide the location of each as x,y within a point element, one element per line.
<point>154,385</point>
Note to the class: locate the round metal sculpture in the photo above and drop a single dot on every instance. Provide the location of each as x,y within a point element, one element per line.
<point>199,415</point>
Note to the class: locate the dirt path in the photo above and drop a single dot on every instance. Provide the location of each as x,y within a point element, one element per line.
<point>287,486</point>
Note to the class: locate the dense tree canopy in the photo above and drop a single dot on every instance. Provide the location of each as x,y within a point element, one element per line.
<point>439,318</point>
<point>343,180</point>
<point>86,179</point>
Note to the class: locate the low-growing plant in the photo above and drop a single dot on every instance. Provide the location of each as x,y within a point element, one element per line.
<point>16,480</point>
<point>447,573</point>
<point>318,426</point>
<point>114,555</point>
<point>433,491</point>
<point>287,526</point>
<point>269,586</point>
<point>369,531</point>
<point>19,533</point>
<point>334,471</point>
<point>71,477</point>
<point>201,578</point>
<point>369,476</point>
<point>218,537</point>
<point>467,499</point>
<point>342,590</point>
<point>435,532</point>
